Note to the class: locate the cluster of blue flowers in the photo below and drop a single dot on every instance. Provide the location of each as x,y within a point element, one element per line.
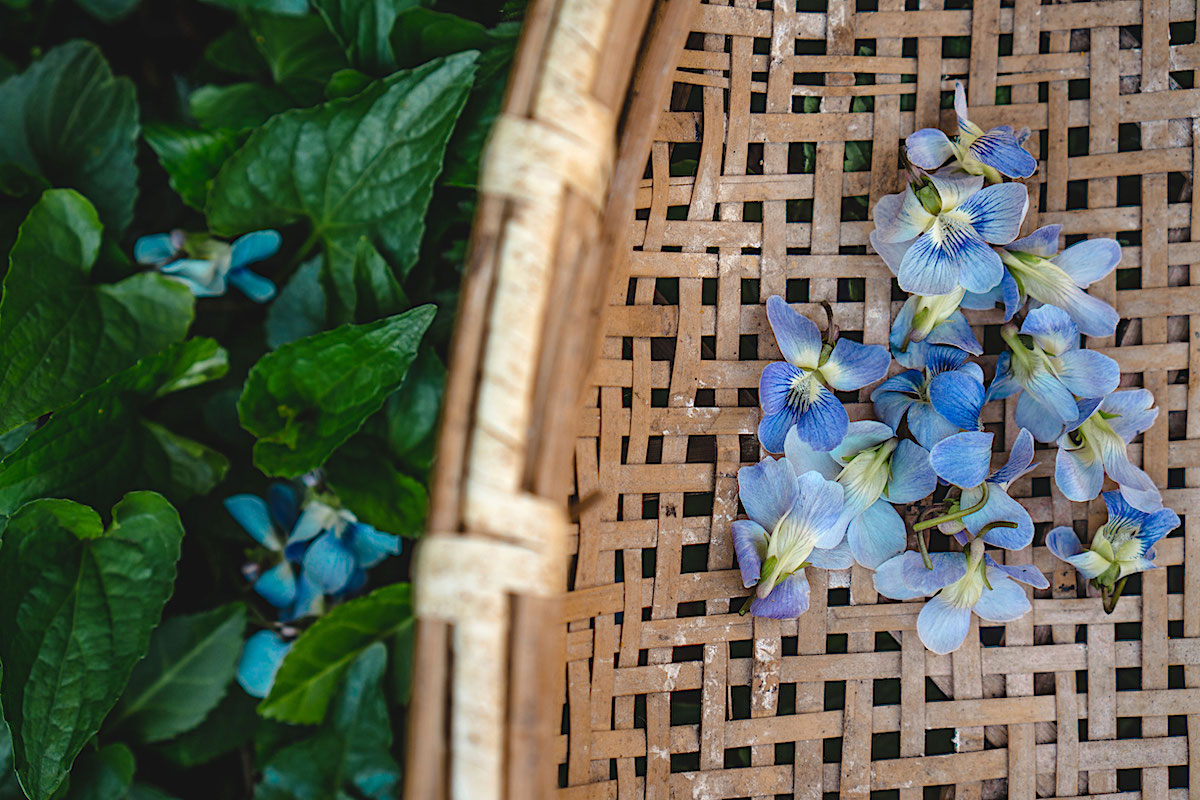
<point>209,266</point>
<point>310,553</point>
<point>951,239</point>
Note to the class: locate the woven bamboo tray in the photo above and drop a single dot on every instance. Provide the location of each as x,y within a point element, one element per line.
<point>681,199</point>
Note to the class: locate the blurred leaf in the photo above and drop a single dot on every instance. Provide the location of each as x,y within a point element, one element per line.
<point>293,7</point>
<point>108,10</point>
<point>361,284</point>
<point>10,788</point>
<point>299,309</point>
<point>230,725</point>
<point>94,448</point>
<point>191,157</point>
<point>60,334</point>
<point>104,774</point>
<point>352,747</point>
<point>346,83</point>
<point>79,604</point>
<point>68,119</point>
<point>358,166</point>
<point>307,397</point>
<point>238,106</point>
<point>296,49</point>
<point>314,667</point>
<point>17,181</point>
<point>184,675</point>
<point>235,52</point>
<point>421,34</point>
<point>483,106</point>
<point>362,27</point>
<point>411,414</point>
<point>402,661</point>
<point>366,480</point>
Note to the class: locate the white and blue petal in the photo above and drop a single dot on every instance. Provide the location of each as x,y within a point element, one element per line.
<point>852,365</point>
<point>955,332</point>
<point>310,599</point>
<point>253,285</point>
<point>892,253</point>
<point>1000,149</point>
<point>1048,390</point>
<point>788,600</point>
<point>371,546</point>
<point>1042,242</point>
<point>836,557</point>
<point>929,427</point>
<point>204,278</point>
<point>1157,525</point>
<point>1135,485</point>
<point>776,385</point>
<point>996,213</point>
<point>767,491</point>
<point>861,434</point>
<point>1064,544</point>
<point>894,396</point>
<point>254,247</point>
<point>959,397</point>
<point>942,626</point>
<point>1020,460</point>
<point>876,535</point>
<point>802,458</point>
<point>954,188</point>
<point>1005,601</point>
<point>797,336</point>
<point>329,563</point>
<point>912,477</point>
<point>1089,261</point>
<point>262,655</point>
<point>963,459</point>
<point>965,126</point>
<point>928,148</point>
<point>285,509</point>
<point>899,218</point>
<point>824,422</point>
<point>950,255</point>
<point>1027,574</point>
<point>947,569</point>
<point>1045,424</point>
<point>818,506</point>
<point>890,578</point>
<point>277,585</point>
<point>998,508</point>
<point>1087,373</point>
<point>773,429</point>
<point>750,544</point>
<point>252,513</point>
<point>1134,410</point>
<point>155,249</point>
<point>1078,473</point>
<point>1004,384</point>
<point>1052,329</point>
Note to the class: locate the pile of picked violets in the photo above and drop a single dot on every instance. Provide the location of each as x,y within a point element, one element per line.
<point>951,240</point>
<point>311,553</point>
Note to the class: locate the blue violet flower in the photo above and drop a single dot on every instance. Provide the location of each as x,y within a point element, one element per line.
<point>208,266</point>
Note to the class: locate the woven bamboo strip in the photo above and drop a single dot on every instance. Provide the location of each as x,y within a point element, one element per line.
<point>668,694</point>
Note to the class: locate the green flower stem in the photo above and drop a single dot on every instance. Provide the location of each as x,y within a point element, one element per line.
<point>745,609</point>
<point>996,524</point>
<point>1110,600</point>
<point>924,547</point>
<point>953,515</point>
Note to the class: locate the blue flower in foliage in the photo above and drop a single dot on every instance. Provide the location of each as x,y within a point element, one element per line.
<point>964,460</point>
<point>992,153</point>
<point>1032,269</point>
<point>262,655</point>
<point>207,266</point>
<point>1123,545</point>
<point>335,549</point>
<point>268,523</point>
<point>876,469</point>
<point>797,391</point>
<point>944,398</point>
<point>793,524</point>
<point>1052,373</point>
<point>940,232</point>
<point>965,583</point>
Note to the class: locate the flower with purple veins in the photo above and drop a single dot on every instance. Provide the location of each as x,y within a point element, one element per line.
<point>992,153</point>
<point>1121,547</point>
<point>984,508</point>
<point>947,383</point>
<point>796,391</point>
<point>925,322</point>
<point>1034,268</point>
<point>1047,368</point>
<point>793,524</point>
<point>1098,446</point>
<point>207,266</point>
<point>939,233</point>
<point>876,469</point>
<point>961,583</point>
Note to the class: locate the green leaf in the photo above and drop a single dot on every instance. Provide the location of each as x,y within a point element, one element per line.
<point>403,662</point>
<point>411,414</point>
<point>108,10</point>
<point>235,52</point>
<point>483,106</point>
<point>10,787</point>
<point>360,284</point>
<point>362,27</point>
<point>238,106</point>
<point>68,119</point>
<point>346,83</point>
<point>104,774</point>
<point>420,34</point>
<point>307,397</point>
<point>313,668</point>
<point>352,747</point>
<point>297,49</point>
<point>367,481</point>
<point>78,603</point>
<point>358,166</point>
<point>228,726</point>
<point>299,309</point>
<point>293,7</point>
<point>191,157</point>
<point>60,334</point>
<point>98,446</point>
<point>185,674</point>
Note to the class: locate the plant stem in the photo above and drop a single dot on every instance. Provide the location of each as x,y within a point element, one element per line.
<point>746,606</point>
<point>1110,601</point>
<point>924,547</point>
<point>953,515</point>
<point>996,524</point>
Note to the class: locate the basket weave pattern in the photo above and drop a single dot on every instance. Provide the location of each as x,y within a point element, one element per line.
<point>668,693</point>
